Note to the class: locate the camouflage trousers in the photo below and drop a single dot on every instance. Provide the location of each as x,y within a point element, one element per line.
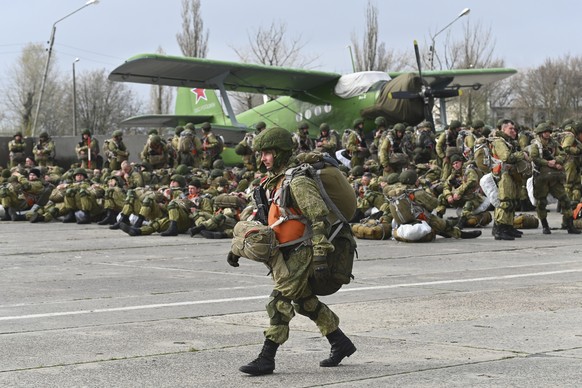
<point>553,184</point>
<point>573,184</point>
<point>443,227</point>
<point>508,198</point>
<point>292,293</point>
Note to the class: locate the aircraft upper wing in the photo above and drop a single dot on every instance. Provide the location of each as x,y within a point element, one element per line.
<point>210,74</point>
<point>462,78</point>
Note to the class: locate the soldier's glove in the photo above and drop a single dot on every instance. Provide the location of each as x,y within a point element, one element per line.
<point>232,259</point>
<point>320,268</point>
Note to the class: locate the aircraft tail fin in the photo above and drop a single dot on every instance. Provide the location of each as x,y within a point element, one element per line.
<point>200,102</point>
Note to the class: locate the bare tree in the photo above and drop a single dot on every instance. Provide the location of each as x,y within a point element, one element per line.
<point>161,97</point>
<point>373,55</point>
<point>270,46</point>
<point>102,104</point>
<point>474,50</point>
<point>193,40</point>
<point>21,92</point>
<point>550,91</point>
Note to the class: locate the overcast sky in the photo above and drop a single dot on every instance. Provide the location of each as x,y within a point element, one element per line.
<point>105,34</point>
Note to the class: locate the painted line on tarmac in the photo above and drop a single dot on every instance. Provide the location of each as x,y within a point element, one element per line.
<point>247,298</point>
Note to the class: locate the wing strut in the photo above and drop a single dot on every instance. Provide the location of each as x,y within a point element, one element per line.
<point>219,82</point>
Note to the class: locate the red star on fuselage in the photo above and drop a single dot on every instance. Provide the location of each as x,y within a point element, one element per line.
<point>200,94</point>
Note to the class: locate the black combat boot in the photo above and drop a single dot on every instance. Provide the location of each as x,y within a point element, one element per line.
<point>545,226</point>
<point>494,229</point>
<point>109,218</point>
<point>213,234</point>
<point>570,226</point>
<point>6,216</point>
<point>69,217</point>
<point>124,220</point>
<point>341,346</point>
<point>84,218</point>
<point>501,233</point>
<point>172,229</point>
<point>265,363</point>
<point>16,216</point>
<point>462,223</point>
<point>139,221</point>
<point>36,217</point>
<point>471,234</point>
<point>196,229</point>
<point>514,232</point>
<point>131,230</point>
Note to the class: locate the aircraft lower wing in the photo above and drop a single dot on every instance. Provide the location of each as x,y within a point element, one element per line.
<point>191,72</point>
<point>462,78</point>
<point>162,121</point>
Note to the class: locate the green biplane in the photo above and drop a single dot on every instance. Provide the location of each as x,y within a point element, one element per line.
<point>301,95</point>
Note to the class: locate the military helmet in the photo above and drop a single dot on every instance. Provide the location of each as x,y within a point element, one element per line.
<point>577,127</point>
<point>196,183</point>
<point>44,135</point>
<point>178,130</point>
<point>380,121</point>
<point>18,134</point>
<point>357,122</point>
<point>324,127</point>
<point>215,173</point>
<point>542,127</point>
<point>455,124</point>
<point>206,126</point>
<point>155,140</point>
<point>567,122</point>
<point>425,124</point>
<point>260,126</point>
<point>189,126</point>
<point>179,178</point>
<point>81,171</point>
<point>86,131</point>
<point>455,158</point>
<point>399,127</point>
<point>357,171</point>
<point>153,131</point>
<point>218,163</point>
<point>303,125</point>
<point>408,177</point>
<point>478,124</point>
<point>275,138</point>
<point>182,169</point>
<point>117,133</point>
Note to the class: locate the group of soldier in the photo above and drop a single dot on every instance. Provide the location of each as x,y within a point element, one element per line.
<point>182,186</point>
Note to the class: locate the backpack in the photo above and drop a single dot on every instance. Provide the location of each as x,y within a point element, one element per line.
<point>403,208</point>
<point>340,198</point>
<point>482,155</point>
<point>186,141</point>
<point>345,137</point>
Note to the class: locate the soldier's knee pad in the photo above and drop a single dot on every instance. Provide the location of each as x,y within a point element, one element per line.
<point>506,205</point>
<point>309,307</point>
<point>280,309</point>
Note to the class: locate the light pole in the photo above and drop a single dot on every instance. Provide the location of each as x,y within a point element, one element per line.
<point>74,99</point>
<point>48,58</point>
<point>432,48</point>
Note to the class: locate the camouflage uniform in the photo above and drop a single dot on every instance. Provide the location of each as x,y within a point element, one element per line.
<point>210,147</point>
<point>44,151</point>
<point>356,145</point>
<point>16,148</point>
<point>572,146</point>
<point>116,151</point>
<point>327,141</point>
<point>294,265</point>
<point>88,146</point>
<point>549,177</point>
<point>506,155</point>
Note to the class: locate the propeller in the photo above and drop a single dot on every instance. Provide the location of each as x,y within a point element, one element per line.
<point>426,93</point>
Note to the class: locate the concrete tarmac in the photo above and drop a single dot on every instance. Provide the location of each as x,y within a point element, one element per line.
<point>85,306</point>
